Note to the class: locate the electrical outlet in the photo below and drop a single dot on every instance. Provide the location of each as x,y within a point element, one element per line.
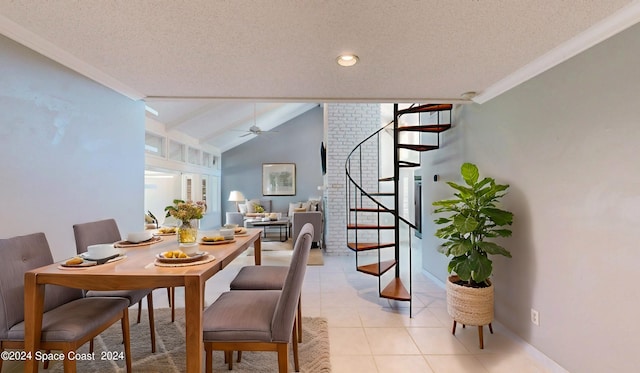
<point>535,317</point>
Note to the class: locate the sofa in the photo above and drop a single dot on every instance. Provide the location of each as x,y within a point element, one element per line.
<point>299,214</point>
<point>249,209</point>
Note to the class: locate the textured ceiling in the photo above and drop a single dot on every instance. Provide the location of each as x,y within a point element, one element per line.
<point>285,50</point>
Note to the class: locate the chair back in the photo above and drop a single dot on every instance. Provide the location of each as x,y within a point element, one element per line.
<point>284,314</point>
<point>19,255</point>
<point>94,233</point>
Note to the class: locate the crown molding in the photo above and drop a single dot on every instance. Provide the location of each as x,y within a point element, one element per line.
<point>32,41</point>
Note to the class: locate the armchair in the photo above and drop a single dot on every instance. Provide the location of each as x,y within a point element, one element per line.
<point>299,219</point>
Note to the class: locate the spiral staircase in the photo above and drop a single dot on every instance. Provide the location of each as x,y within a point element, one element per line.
<point>376,226</point>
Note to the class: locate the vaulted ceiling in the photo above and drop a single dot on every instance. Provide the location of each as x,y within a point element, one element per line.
<point>203,64</point>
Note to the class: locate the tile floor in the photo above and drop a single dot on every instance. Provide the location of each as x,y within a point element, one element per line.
<point>369,334</point>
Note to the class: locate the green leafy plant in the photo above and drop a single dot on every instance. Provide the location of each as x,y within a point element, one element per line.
<point>186,211</point>
<point>472,218</point>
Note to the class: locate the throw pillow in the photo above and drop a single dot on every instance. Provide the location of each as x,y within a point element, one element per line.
<point>251,205</point>
<point>243,208</point>
<point>306,206</point>
<point>258,208</point>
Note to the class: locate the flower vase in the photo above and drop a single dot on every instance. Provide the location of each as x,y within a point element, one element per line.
<point>188,232</point>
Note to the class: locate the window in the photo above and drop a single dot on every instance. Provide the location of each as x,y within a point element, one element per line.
<point>154,144</point>
<point>194,156</point>
<point>176,151</point>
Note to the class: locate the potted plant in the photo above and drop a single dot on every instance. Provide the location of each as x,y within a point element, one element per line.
<point>188,213</point>
<point>471,219</point>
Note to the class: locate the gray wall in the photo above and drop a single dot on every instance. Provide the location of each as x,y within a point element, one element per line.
<point>567,143</point>
<point>71,151</point>
<point>297,141</point>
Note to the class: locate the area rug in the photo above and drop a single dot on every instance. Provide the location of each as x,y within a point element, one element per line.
<point>280,253</point>
<point>170,352</point>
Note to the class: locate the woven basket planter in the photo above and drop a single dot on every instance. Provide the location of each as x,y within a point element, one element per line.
<point>467,305</point>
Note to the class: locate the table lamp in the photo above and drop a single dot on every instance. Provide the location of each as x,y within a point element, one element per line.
<point>236,196</point>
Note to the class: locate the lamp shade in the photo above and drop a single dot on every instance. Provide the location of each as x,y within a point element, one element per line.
<point>236,196</point>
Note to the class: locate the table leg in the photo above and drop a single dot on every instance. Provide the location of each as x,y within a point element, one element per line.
<point>193,289</point>
<point>34,307</point>
<point>257,251</point>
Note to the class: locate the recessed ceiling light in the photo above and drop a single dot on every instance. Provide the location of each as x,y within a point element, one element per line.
<point>347,60</point>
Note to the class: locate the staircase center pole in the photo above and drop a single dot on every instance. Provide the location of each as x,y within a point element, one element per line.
<point>396,183</point>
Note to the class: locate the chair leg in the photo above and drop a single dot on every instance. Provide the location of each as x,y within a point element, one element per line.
<point>294,342</point>
<point>229,358</point>
<point>127,339</point>
<point>69,364</point>
<point>152,323</point>
<point>208,357</point>
<point>45,364</point>
<point>91,345</point>
<point>139,310</point>
<point>283,363</point>
<point>300,319</point>
<point>239,356</point>
<point>173,303</point>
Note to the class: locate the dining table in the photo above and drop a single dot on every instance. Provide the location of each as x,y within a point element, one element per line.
<point>138,267</point>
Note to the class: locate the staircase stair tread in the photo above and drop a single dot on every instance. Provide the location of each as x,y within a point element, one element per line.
<point>390,178</point>
<point>377,269</point>
<point>370,226</point>
<point>418,147</point>
<point>396,290</point>
<point>364,246</point>
<point>408,164</point>
<point>382,194</point>
<point>433,128</point>
<point>425,108</point>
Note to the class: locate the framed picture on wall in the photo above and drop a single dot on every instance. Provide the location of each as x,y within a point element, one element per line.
<point>278,179</point>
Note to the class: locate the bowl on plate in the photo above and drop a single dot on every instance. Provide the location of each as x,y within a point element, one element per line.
<point>227,233</point>
<point>101,251</point>
<point>141,236</point>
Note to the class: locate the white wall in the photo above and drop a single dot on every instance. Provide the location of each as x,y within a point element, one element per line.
<point>567,143</point>
<point>71,151</point>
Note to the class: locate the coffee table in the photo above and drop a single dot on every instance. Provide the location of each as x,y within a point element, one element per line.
<point>280,224</point>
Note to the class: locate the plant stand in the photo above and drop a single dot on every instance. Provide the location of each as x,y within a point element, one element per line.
<point>470,306</point>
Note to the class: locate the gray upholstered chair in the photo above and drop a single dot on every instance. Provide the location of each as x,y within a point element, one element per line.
<point>265,278</point>
<point>259,320</point>
<point>69,320</point>
<point>299,219</point>
<point>106,231</point>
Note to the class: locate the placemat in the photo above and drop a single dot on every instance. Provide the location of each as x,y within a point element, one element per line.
<point>74,268</point>
<point>207,259</point>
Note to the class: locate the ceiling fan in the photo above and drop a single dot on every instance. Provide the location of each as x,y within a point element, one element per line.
<point>254,129</point>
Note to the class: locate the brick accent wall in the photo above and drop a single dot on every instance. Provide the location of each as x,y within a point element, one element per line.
<point>347,125</point>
